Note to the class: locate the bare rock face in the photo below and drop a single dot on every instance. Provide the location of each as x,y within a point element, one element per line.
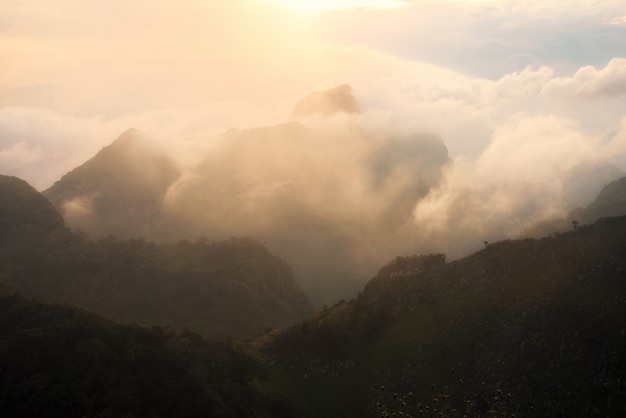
<point>326,103</point>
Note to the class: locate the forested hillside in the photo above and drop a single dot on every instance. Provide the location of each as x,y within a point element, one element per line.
<point>523,327</point>
<point>222,290</point>
<point>526,327</point>
<point>61,361</point>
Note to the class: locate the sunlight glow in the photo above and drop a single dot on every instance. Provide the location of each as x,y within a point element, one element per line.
<point>322,5</point>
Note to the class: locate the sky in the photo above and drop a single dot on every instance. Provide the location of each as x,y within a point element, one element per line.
<point>521,92</point>
<point>75,74</point>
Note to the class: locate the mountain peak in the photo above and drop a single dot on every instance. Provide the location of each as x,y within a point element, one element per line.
<point>327,102</point>
<point>128,138</point>
<point>123,183</point>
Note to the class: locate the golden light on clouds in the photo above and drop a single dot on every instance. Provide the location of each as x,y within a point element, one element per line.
<point>323,5</point>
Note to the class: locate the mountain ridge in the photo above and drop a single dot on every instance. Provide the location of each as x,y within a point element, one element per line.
<point>227,289</point>
<point>539,319</point>
<point>610,201</point>
<point>119,190</point>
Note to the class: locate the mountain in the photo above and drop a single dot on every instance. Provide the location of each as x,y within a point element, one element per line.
<point>227,289</point>
<point>611,201</point>
<point>328,102</point>
<point>528,327</point>
<point>332,197</point>
<point>24,211</point>
<point>61,361</point>
<point>582,182</point>
<point>118,191</point>
<point>522,328</point>
<point>334,204</point>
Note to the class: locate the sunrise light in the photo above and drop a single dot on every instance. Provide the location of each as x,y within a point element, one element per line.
<point>325,5</point>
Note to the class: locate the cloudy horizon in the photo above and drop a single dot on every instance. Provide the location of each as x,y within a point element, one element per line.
<point>528,97</point>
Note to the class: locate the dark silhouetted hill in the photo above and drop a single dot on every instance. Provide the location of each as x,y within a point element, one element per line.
<point>61,361</point>
<point>24,212</point>
<point>521,328</point>
<point>227,289</point>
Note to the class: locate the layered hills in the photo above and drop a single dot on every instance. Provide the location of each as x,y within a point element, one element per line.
<point>330,196</point>
<point>528,327</point>
<point>336,191</point>
<point>61,361</point>
<point>522,328</point>
<point>226,289</point>
<point>611,201</point>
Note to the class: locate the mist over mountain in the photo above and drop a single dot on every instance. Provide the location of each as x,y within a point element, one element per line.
<point>336,191</point>
<point>521,328</point>
<point>281,154</point>
<point>119,191</point>
<point>328,193</point>
<point>611,201</point>
<point>326,103</point>
<point>524,327</point>
<point>227,289</point>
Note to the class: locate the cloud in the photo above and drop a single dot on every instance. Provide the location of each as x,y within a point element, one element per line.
<point>117,58</point>
<point>521,178</point>
<point>523,94</point>
<point>79,211</point>
<point>40,145</point>
<point>620,20</point>
<point>589,83</point>
<point>329,194</point>
<point>490,39</point>
<point>614,147</point>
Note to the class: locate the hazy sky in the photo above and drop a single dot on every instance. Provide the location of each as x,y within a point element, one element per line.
<point>519,90</point>
<point>76,73</point>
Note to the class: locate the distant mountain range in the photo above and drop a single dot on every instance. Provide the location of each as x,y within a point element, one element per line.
<point>521,328</point>
<point>332,197</point>
<point>228,289</point>
<point>321,198</point>
<point>611,201</point>
<point>524,327</point>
